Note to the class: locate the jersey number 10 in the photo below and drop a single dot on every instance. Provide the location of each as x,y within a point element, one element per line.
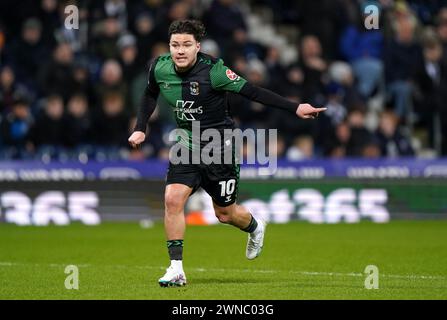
<point>227,187</point>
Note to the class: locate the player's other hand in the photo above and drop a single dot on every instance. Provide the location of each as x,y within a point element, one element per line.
<point>306,111</point>
<point>136,138</point>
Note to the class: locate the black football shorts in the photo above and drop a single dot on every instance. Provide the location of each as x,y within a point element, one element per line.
<point>220,181</point>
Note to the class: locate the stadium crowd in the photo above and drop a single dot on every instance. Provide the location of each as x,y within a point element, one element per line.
<point>74,93</point>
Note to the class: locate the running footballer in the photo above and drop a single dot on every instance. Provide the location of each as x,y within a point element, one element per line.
<point>195,85</point>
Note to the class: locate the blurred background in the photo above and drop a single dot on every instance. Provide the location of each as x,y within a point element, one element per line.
<point>68,99</point>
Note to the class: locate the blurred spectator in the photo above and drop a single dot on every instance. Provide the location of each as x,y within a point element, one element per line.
<point>335,114</point>
<point>209,46</point>
<point>7,79</point>
<point>276,148</point>
<point>324,19</point>
<point>392,141</point>
<point>240,44</point>
<point>288,125</point>
<point>256,72</point>
<point>49,128</point>
<point>50,17</point>
<point>336,110</point>
<point>222,19</point>
<point>158,49</point>
<point>363,49</point>
<point>360,137</point>
<point>371,149</point>
<point>82,78</point>
<point>276,72</point>
<point>430,85</point>
<point>314,67</point>
<point>110,125</point>
<point>443,133</point>
<point>106,35</point>
<point>57,76</point>
<point>336,144</point>
<point>425,10</point>
<point>111,81</point>
<point>77,121</point>
<point>341,73</point>
<point>441,28</point>
<point>284,11</point>
<point>128,57</point>
<point>117,9</point>
<point>2,44</point>
<point>15,129</point>
<point>174,10</point>
<point>302,148</point>
<point>144,25</point>
<point>153,8</point>
<point>290,82</point>
<point>29,52</point>
<point>10,89</point>
<point>402,53</point>
<point>240,65</point>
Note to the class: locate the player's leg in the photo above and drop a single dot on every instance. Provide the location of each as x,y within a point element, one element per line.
<point>176,195</point>
<point>221,182</point>
<point>181,181</point>
<point>241,218</point>
<point>233,214</point>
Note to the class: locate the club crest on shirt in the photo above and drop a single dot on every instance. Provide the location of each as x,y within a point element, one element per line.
<point>231,75</point>
<point>194,88</point>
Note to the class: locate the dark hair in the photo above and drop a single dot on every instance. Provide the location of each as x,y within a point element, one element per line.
<point>194,27</point>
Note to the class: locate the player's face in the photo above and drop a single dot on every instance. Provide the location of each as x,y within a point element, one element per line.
<point>184,49</point>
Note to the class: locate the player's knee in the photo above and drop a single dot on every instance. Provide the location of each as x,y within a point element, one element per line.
<point>173,203</point>
<point>223,214</point>
<point>223,217</point>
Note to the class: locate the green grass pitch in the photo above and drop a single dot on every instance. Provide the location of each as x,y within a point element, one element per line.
<point>299,261</point>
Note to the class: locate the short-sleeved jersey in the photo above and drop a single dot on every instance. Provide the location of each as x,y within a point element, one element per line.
<point>198,94</point>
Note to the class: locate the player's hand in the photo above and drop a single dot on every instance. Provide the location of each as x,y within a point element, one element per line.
<point>306,111</point>
<point>136,138</point>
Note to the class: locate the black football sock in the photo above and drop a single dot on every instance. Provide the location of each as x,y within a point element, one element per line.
<point>252,225</point>
<point>175,249</point>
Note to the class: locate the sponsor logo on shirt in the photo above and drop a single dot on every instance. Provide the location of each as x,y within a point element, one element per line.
<point>231,75</point>
<point>185,111</point>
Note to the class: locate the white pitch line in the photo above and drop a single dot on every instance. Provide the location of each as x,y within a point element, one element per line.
<point>305,273</point>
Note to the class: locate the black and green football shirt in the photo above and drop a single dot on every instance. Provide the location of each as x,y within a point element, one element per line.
<point>199,94</point>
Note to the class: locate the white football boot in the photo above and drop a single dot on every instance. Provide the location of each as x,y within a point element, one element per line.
<point>256,240</point>
<point>172,278</point>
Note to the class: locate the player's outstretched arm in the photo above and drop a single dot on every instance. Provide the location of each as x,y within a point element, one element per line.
<point>269,98</point>
<point>147,107</point>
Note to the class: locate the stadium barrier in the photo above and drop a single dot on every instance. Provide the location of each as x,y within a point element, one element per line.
<point>318,191</point>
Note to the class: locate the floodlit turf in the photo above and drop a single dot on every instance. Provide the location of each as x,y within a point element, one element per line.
<point>299,261</point>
